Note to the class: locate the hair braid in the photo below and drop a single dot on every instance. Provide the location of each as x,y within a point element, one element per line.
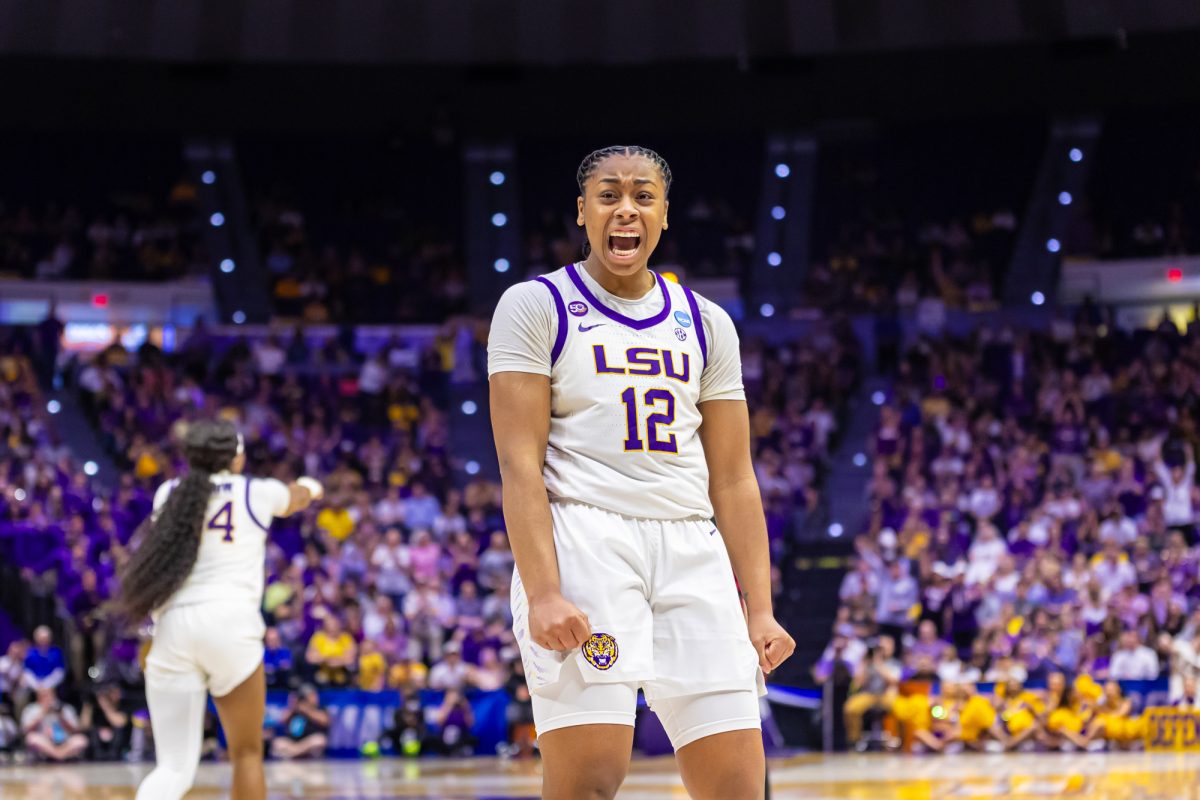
<point>589,164</point>
<point>169,541</point>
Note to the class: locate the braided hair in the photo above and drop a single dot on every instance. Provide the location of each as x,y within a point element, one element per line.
<point>593,159</point>
<point>170,540</point>
<point>589,164</point>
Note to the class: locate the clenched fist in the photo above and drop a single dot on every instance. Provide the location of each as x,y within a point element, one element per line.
<point>772,642</point>
<point>555,623</point>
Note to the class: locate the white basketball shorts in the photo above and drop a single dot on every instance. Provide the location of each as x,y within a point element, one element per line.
<point>665,616</point>
<point>210,645</point>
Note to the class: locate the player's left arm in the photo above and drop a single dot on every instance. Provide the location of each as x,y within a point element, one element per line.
<point>737,503</point>
<point>733,486</point>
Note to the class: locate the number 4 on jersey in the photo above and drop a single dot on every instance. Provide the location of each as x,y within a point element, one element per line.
<point>223,521</point>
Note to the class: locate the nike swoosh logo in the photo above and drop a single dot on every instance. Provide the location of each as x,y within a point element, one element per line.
<point>585,328</point>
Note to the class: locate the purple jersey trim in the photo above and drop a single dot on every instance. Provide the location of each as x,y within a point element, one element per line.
<point>561,337</point>
<point>699,323</point>
<point>250,508</point>
<point>636,324</point>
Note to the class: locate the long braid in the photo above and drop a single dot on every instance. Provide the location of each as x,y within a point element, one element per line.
<point>170,539</point>
<point>593,159</point>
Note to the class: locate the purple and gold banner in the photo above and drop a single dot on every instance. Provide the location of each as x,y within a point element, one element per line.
<point>1170,728</point>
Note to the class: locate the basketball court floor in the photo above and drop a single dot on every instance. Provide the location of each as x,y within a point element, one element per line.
<point>1113,776</point>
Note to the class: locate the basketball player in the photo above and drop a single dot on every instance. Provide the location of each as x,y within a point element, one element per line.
<point>199,572</point>
<point>622,430</point>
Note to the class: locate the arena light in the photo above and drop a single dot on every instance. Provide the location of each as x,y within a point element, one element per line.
<point>1174,274</point>
<point>1064,198</point>
<point>239,317</point>
<point>778,212</point>
<point>1053,245</point>
<point>100,300</point>
<point>496,178</point>
<point>227,265</point>
<point>878,397</point>
<point>19,495</point>
<point>499,219</point>
<point>217,219</point>
<point>1075,155</point>
<point>782,170</point>
<point>774,259</point>
<point>767,310</point>
<point>208,177</point>
<point>91,468</point>
<point>469,407</point>
<point>1038,299</point>
<point>472,467</point>
<point>836,530</point>
<point>501,265</point>
<point>860,460</point>
<point>54,406</point>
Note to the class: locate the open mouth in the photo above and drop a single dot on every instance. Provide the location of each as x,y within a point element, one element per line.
<point>624,244</point>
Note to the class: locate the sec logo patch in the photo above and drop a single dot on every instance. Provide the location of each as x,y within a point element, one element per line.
<point>601,650</point>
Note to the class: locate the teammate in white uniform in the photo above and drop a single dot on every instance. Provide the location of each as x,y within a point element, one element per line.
<point>198,572</point>
<point>622,428</point>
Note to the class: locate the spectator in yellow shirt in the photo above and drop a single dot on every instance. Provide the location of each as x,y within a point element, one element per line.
<point>336,521</point>
<point>372,668</point>
<point>332,651</point>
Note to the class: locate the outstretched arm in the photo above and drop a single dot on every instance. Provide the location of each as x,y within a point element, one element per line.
<point>302,493</point>
<point>737,503</point>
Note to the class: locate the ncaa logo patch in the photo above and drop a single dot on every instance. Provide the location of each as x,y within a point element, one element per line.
<point>683,318</point>
<point>680,334</point>
<point>601,651</point>
<point>577,308</point>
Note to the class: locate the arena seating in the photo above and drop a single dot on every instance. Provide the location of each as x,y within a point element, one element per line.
<point>358,230</point>
<point>914,211</point>
<point>1143,198</point>
<point>399,579</point>
<point>97,208</point>
<point>1032,512</point>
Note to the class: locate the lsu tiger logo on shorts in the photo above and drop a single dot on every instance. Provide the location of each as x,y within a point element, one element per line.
<point>600,650</point>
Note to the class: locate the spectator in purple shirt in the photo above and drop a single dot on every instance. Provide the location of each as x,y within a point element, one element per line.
<point>926,647</point>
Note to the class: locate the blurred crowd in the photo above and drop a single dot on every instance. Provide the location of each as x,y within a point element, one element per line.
<point>399,578</point>
<point>1143,195</point>
<point>1033,513</point>
<point>919,213</point>
<point>797,393</point>
<point>127,235</point>
<point>358,229</point>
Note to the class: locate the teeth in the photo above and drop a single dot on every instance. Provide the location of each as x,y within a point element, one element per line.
<point>626,234</point>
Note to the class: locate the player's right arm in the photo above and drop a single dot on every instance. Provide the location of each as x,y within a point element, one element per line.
<point>302,493</point>
<point>519,363</point>
<point>521,423</point>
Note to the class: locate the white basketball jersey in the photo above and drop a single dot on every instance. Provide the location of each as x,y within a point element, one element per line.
<point>624,427</point>
<point>233,539</point>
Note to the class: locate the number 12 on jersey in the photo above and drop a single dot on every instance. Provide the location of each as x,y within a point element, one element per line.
<point>652,397</point>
